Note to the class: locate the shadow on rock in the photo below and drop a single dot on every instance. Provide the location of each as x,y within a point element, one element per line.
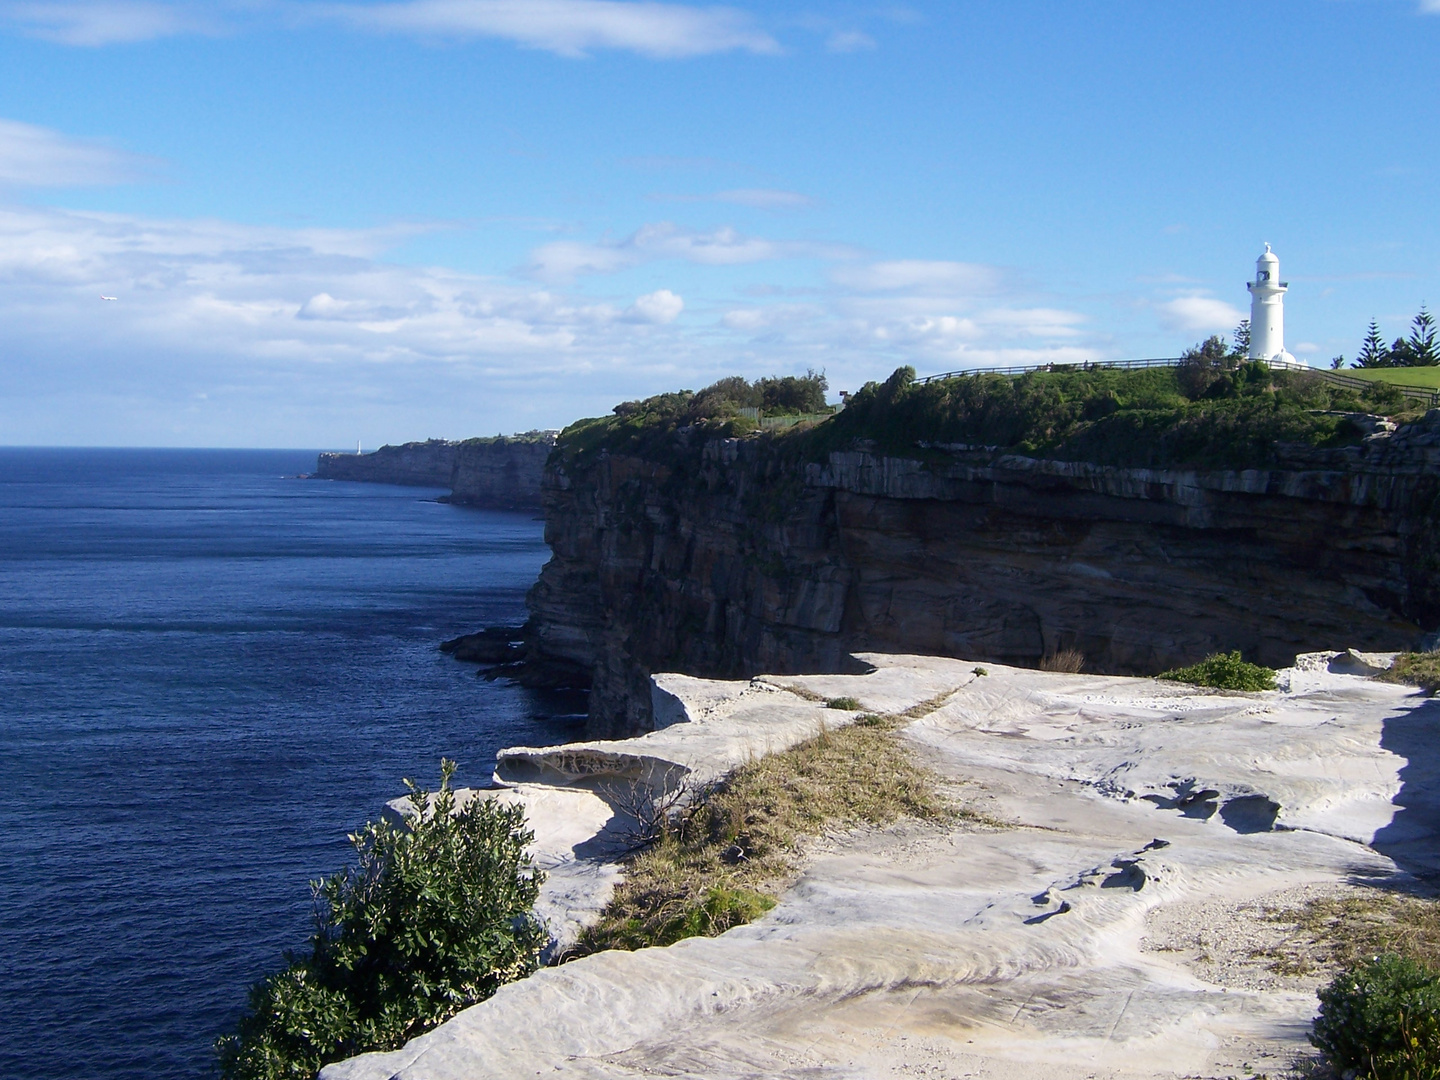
<point>1411,837</point>
<point>1250,813</point>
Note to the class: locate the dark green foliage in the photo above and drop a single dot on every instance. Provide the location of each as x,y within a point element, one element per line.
<point>1382,1020</point>
<point>432,919</point>
<point>790,395</point>
<point>1373,353</point>
<point>1420,347</point>
<point>644,427</point>
<point>1216,409</point>
<point>848,704</point>
<point>1242,338</point>
<point>1213,411</point>
<point>1227,671</point>
<point>1202,370</point>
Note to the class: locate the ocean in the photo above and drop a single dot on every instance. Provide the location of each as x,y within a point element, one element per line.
<point>210,672</point>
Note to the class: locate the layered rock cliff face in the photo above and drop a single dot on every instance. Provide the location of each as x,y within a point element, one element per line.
<point>500,472</point>
<point>729,557</point>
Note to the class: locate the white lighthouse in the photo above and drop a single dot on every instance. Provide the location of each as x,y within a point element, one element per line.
<point>1267,310</point>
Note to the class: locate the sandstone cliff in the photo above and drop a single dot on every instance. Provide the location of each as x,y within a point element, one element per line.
<point>728,557</point>
<point>500,472</point>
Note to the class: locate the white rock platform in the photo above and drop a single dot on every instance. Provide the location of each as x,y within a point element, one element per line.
<point>1123,820</point>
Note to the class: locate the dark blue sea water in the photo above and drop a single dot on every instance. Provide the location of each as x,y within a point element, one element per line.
<point>209,673</point>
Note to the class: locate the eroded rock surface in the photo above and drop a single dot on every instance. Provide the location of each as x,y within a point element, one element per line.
<point>1024,941</point>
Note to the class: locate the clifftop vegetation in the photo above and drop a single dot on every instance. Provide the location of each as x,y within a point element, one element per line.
<point>644,427</point>
<point>1214,410</point>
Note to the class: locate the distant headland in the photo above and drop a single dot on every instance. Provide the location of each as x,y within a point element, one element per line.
<point>503,472</point>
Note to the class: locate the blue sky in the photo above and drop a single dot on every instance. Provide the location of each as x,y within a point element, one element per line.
<point>330,221</point>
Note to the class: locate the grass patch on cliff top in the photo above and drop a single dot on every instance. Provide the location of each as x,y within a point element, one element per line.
<point>1417,669</point>
<point>724,859</point>
<point>1215,410</point>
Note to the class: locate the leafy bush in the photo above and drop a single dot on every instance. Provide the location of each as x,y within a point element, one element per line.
<point>1203,368</point>
<point>1382,1020</point>
<point>1227,671</point>
<point>433,918</point>
<point>849,704</point>
<point>792,394</point>
<point>645,427</point>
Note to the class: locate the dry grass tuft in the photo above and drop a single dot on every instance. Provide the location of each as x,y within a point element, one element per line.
<point>722,861</point>
<point>799,691</point>
<point>1067,660</point>
<point>1344,931</point>
<point>1417,669</point>
<point>926,707</point>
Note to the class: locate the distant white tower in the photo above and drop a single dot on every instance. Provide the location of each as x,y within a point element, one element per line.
<point>1267,310</point>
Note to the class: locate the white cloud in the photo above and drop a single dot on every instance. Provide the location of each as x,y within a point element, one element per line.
<point>108,22</point>
<point>661,307</point>
<point>770,317</point>
<point>294,333</point>
<point>229,290</point>
<point>1430,7</point>
<point>571,27</point>
<point>38,157</point>
<point>920,275</point>
<point>1199,314</point>
<point>565,260</point>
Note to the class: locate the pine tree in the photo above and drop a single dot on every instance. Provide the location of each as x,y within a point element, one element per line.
<point>1421,347</point>
<point>1337,363</point>
<point>1242,339</point>
<point>1399,353</point>
<point>1373,352</point>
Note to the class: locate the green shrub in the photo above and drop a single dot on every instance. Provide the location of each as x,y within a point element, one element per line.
<point>1226,671</point>
<point>433,918</point>
<point>1382,1020</point>
<point>848,704</point>
<point>1211,411</point>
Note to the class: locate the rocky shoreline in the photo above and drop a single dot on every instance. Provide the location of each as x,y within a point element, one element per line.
<point>1049,935</point>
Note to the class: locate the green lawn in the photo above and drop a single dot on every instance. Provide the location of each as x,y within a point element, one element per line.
<point>1426,377</point>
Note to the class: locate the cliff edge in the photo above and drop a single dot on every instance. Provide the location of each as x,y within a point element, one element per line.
<point>686,548</point>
